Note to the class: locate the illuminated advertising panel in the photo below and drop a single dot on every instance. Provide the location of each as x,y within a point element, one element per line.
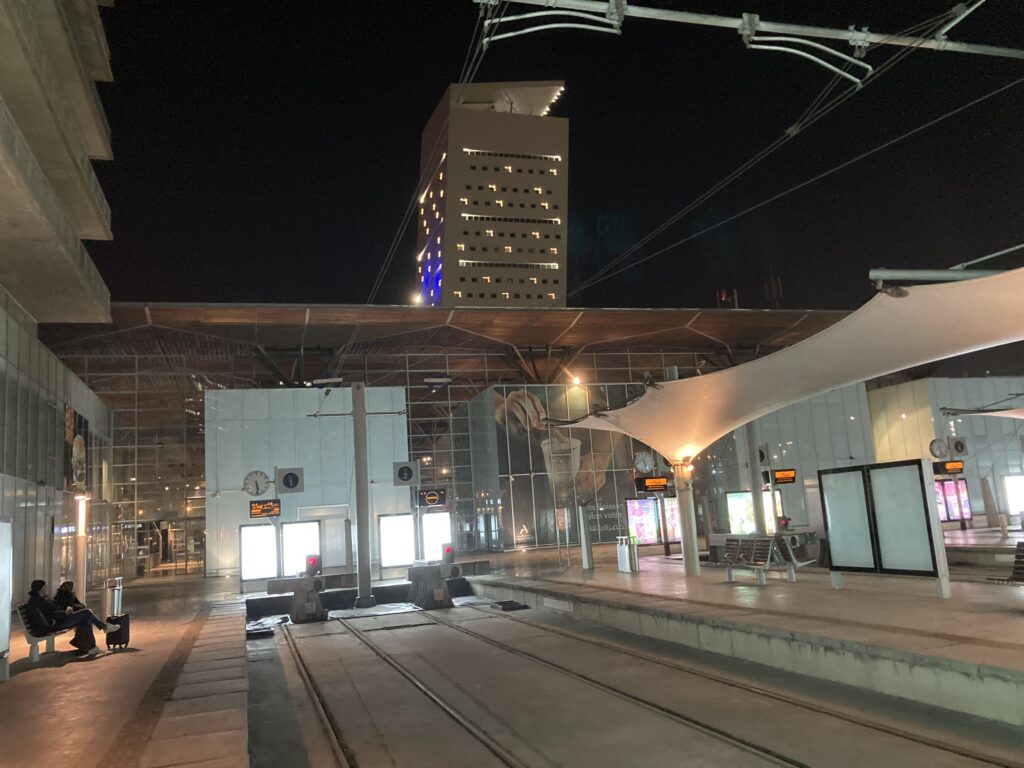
<point>741,511</point>
<point>642,518</point>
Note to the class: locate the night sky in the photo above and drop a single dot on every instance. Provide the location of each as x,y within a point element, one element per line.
<point>265,151</point>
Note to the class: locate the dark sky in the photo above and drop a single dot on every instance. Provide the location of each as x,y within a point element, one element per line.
<point>265,151</point>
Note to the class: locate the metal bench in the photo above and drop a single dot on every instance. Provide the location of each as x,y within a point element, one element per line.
<point>1016,577</point>
<point>760,554</point>
<point>33,639</point>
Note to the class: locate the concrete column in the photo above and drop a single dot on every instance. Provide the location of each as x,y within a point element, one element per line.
<point>754,462</point>
<point>81,545</point>
<point>992,515</point>
<point>364,597</point>
<point>687,517</point>
<point>586,553</point>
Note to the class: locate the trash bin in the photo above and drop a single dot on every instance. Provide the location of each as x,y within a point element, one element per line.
<point>112,592</point>
<point>628,555</point>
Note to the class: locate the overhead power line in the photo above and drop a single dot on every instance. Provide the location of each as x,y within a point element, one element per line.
<point>820,106</point>
<point>820,176</point>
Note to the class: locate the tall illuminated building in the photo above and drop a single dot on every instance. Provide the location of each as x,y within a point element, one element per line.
<point>491,230</point>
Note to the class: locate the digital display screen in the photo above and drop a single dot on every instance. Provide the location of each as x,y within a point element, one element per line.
<point>783,476</point>
<point>265,508</point>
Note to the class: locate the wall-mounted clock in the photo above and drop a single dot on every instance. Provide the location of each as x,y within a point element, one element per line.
<point>644,462</point>
<point>256,483</point>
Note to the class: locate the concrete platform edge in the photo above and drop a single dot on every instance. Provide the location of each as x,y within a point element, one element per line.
<point>993,693</point>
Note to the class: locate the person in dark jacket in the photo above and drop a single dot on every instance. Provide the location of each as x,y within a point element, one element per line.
<point>46,615</point>
<point>65,598</point>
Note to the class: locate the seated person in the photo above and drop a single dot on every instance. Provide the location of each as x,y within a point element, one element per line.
<point>46,615</point>
<point>66,598</point>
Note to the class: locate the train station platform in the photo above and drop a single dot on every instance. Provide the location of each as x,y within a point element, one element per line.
<point>176,696</point>
<point>883,634</point>
<point>982,547</point>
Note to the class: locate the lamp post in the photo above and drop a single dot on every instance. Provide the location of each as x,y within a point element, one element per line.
<point>81,542</point>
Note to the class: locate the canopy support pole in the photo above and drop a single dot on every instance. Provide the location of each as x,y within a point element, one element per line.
<point>364,594</point>
<point>754,462</point>
<point>687,516</point>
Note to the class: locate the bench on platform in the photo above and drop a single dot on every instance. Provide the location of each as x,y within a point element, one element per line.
<point>1016,577</point>
<point>760,554</point>
<point>33,639</point>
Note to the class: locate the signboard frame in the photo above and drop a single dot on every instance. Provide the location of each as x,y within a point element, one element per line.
<point>257,505</point>
<point>783,476</point>
<point>656,484</point>
<point>439,495</point>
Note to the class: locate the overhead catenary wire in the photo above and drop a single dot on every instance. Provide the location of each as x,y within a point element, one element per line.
<point>819,108</point>
<point>825,174</point>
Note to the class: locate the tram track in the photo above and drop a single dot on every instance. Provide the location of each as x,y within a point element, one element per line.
<point>769,756</point>
<point>455,708</point>
<point>795,701</point>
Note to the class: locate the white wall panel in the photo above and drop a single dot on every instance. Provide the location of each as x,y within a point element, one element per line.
<point>254,404</point>
<point>256,447</point>
<point>246,432</point>
<point>229,460</point>
<point>282,441</point>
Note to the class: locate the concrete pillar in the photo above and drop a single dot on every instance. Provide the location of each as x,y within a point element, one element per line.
<point>364,597</point>
<point>586,552</point>
<point>754,462</point>
<point>988,498</point>
<point>687,517</point>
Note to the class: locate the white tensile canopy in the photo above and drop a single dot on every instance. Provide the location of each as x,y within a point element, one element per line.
<point>890,333</point>
<point>1012,413</point>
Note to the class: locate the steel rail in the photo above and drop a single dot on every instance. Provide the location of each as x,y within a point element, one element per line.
<point>342,752</point>
<point>490,744</point>
<point>768,693</point>
<point>709,730</point>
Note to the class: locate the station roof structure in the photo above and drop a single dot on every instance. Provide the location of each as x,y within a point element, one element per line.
<point>298,343</point>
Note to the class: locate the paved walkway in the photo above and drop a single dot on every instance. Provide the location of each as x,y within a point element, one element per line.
<point>983,537</point>
<point>105,711</point>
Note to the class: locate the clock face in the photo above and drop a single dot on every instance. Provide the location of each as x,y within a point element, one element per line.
<point>644,462</point>
<point>256,483</point>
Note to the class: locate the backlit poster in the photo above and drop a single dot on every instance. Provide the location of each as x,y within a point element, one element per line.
<point>671,507</point>
<point>940,501</point>
<point>946,492</point>
<point>740,505</point>
<point>642,518</point>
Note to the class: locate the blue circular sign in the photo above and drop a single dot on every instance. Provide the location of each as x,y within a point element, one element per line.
<point>290,480</point>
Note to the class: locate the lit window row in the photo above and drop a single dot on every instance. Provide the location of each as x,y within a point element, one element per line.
<point>513,169</point>
<point>509,219</point>
<point>504,249</point>
<point>517,156</point>
<point>496,188</point>
<point>504,295</point>
<point>478,233</point>
<point>488,280</point>
<point>507,265</point>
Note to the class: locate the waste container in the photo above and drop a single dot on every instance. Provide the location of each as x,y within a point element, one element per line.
<point>629,557</point>
<point>112,592</point>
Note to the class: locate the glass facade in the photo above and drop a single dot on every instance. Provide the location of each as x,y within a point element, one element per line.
<point>530,480</point>
<point>56,440</point>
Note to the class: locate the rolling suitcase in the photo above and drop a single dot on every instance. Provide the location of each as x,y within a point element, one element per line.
<point>120,638</point>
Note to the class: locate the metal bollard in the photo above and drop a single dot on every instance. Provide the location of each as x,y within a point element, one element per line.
<point>112,594</point>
